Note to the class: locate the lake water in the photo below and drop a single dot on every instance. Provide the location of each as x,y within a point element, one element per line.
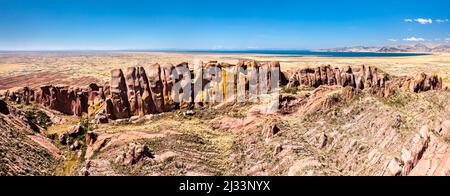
<point>300,53</point>
<point>273,53</point>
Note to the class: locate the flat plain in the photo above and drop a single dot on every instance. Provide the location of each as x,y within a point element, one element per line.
<point>81,68</point>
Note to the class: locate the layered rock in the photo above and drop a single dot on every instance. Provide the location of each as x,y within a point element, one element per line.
<point>168,82</point>
<point>65,99</point>
<point>118,105</point>
<point>139,92</point>
<point>21,95</point>
<point>371,78</point>
<point>156,88</point>
<point>134,154</point>
<point>182,90</point>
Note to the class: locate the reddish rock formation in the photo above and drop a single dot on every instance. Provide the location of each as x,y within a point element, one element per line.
<point>168,82</point>
<point>139,93</point>
<point>91,137</point>
<point>253,78</point>
<point>75,130</point>
<point>20,95</point>
<point>378,82</point>
<point>212,83</point>
<point>198,84</point>
<point>96,99</point>
<point>67,100</point>
<point>170,87</point>
<point>135,154</point>
<point>156,88</point>
<point>182,90</point>
<point>118,105</point>
<point>133,91</point>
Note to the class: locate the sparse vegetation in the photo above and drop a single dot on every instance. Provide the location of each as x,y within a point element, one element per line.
<point>38,117</point>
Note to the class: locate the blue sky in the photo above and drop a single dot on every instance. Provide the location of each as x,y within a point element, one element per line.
<point>231,24</point>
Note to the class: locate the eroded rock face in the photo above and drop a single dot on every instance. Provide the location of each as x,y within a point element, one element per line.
<point>21,95</point>
<point>133,91</point>
<point>253,79</point>
<point>182,90</point>
<point>139,92</point>
<point>67,100</point>
<point>168,83</point>
<point>118,105</point>
<point>156,87</point>
<point>378,82</point>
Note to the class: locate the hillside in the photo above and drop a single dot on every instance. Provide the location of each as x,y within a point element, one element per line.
<point>326,121</point>
<point>23,150</point>
<point>415,48</point>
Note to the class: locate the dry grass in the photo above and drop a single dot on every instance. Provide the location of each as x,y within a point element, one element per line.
<point>62,128</point>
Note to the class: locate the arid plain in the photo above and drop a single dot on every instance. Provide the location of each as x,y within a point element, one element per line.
<point>36,68</point>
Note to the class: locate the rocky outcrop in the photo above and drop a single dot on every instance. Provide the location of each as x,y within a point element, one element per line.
<point>65,99</point>
<point>168,83</point>
<point>182,91</point>
<point>22,151</point>
<point>371,78</point>
<point>118,105</point>
<point>156,89</point>
<point>139,92</point>
<point>21,95</point>
<point>134,154</point>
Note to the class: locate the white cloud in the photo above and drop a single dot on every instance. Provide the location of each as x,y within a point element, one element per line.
<point>424,20</point>
<point>413,39</point>
<point>448,39</point>
<point>393,40</point>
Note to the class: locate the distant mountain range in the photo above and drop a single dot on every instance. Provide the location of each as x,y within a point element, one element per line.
<point>420,47</point>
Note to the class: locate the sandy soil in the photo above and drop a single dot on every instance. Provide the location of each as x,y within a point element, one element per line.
<point>80,68</point>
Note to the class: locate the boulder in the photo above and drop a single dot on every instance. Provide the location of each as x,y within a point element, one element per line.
<point>76,145</point>
<point>91,137</point>
<point>75,130</point>
<point>134,154</point>
<point>62,139</point>
<point>394,167</point>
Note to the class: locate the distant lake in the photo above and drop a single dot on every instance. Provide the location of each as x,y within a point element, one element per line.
<point>273,53</point>
<point>300,53</point>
